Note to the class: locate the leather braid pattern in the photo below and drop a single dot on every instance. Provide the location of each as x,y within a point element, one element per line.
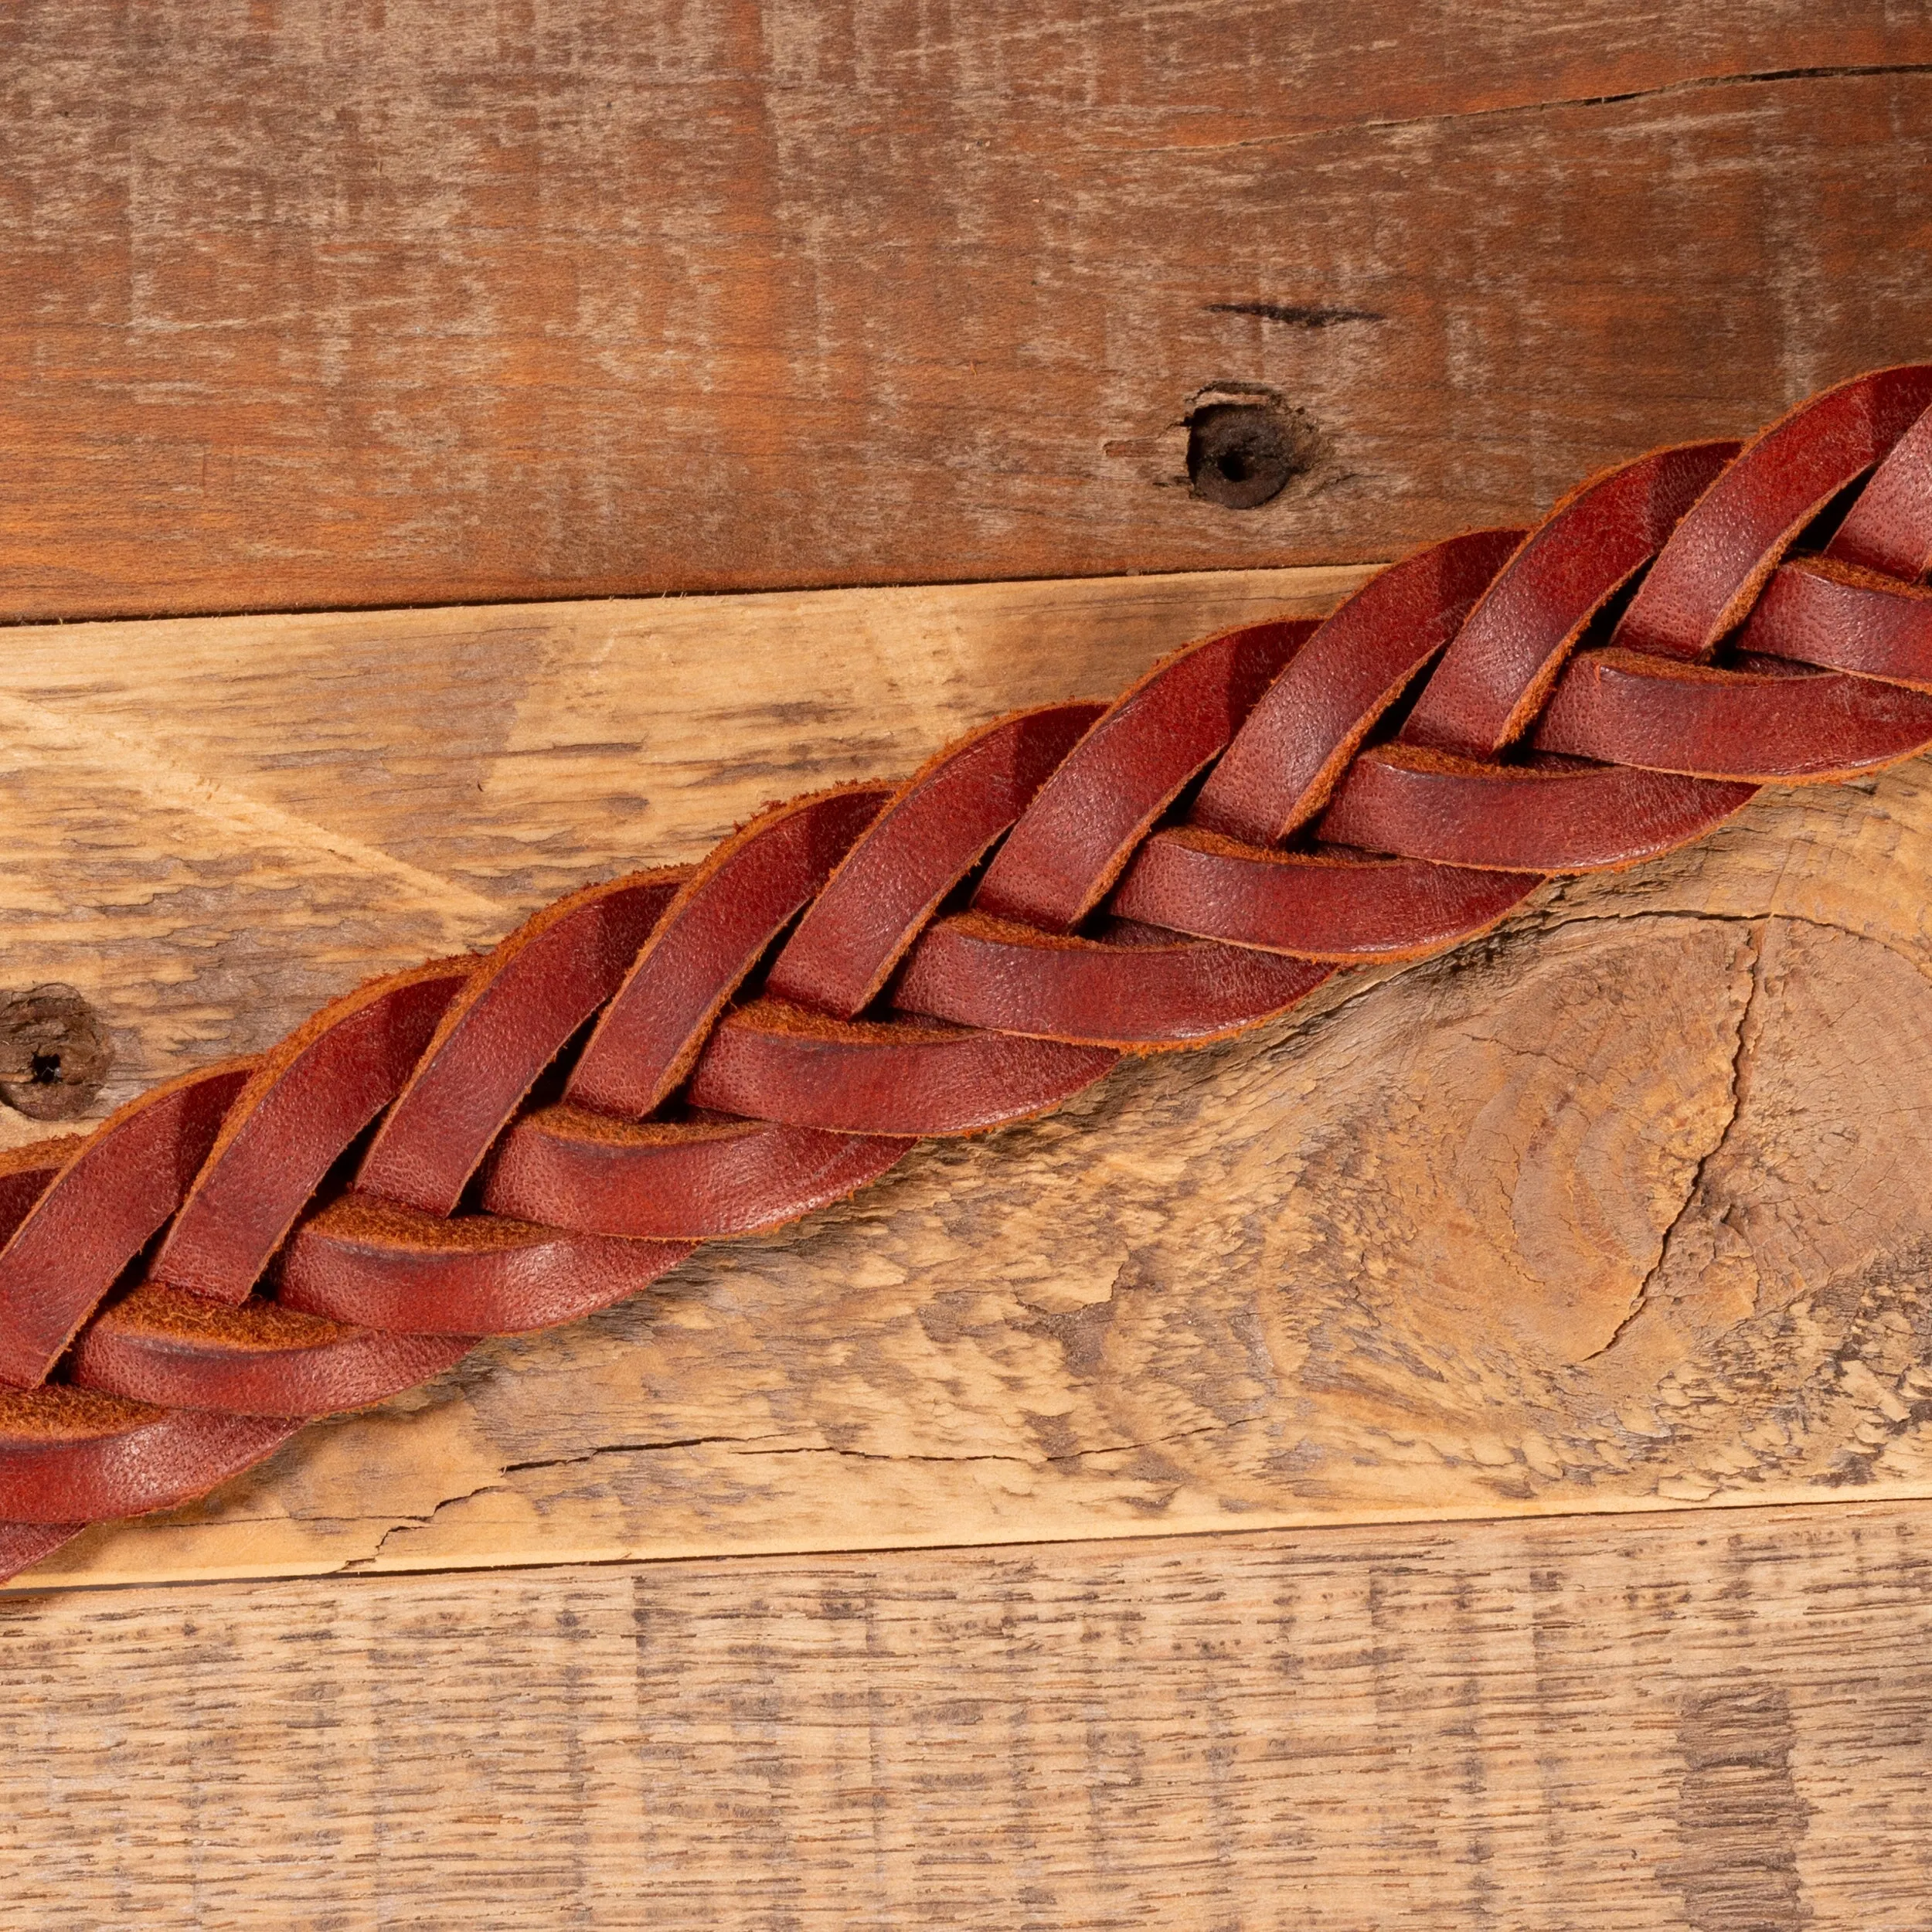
<point>493,1144</point>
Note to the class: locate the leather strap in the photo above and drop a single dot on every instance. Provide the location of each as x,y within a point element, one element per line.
<point>488,1145</point>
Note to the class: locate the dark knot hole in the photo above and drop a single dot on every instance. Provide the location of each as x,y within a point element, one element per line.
<point>55,1052</point>
<point>1241,455</point>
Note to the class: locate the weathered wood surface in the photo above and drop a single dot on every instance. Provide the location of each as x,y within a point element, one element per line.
<point>1621,1207</point>
<point>215,826</point>
<point>1718,1721</point>
<point>338,305</point>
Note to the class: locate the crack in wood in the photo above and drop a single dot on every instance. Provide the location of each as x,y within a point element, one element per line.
<point>1699,83</point>
<point>1741,1065</point>
<point>1296,315</point>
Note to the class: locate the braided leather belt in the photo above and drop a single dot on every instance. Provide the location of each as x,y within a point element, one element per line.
<point>636,1070</point>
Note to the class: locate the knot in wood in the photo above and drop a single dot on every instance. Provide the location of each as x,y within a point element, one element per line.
<point>54,1053</point>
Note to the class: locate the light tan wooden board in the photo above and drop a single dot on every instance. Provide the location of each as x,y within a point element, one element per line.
<point>1715,1721</point>
<point>214,826</point>
<point>1623,1206</point>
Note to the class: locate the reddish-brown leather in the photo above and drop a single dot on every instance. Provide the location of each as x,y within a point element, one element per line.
<point>1285,761</point>
<point>1710,570</point>
<point>1132,985</point>
<point>1333,905</point>
<point>100,1210</point>
<point>1539,814</point>
<point>766,1032</point>
<point>1761,722</point>
<point>521,1003</point>
<point>72,1455</point>
<point>710,936</point>
<point>770,1061</point>
<point>303,1105</point>
<point>1823,612</point>
<point>370,1262</point>
<point>1498,671</point>
<point>180,1350</point>
<point>933,831</point>
<point>1889,529</point>
<point>1078,834</point>
<point>24,1172</point>
<point>675,1180</point>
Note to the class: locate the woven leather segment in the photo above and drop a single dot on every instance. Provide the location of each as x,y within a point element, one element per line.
<point>490,1145</point>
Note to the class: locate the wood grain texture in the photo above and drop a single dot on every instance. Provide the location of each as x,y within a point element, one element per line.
<point>1715,1721</point>
<point>214,827</point>
<point>1621,1208</point>
<point>343,304</point>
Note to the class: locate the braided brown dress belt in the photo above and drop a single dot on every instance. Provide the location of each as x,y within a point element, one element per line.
<point>557,1122</point>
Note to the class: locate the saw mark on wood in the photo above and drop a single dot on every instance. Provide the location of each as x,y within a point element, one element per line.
<point>1738,1814</point>
<point>44,735</point>
<point>1702,84</point>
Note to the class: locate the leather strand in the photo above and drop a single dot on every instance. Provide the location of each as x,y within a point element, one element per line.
<point>493,1144</point>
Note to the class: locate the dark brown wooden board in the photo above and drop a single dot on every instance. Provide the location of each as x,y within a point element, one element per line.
<point>349,304</point>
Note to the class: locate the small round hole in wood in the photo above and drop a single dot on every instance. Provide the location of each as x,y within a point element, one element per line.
<point>54,1053</point>
<point>1241,455</point>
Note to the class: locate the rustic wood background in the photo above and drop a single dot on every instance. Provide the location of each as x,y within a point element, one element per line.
<point>310,303</point>
<point>1284,1489</point>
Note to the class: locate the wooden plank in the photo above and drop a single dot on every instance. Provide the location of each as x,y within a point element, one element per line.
<point>215,826</point>
<point>1621,1208</point>
<point>1716,1721</point>
<point>337,305</point>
